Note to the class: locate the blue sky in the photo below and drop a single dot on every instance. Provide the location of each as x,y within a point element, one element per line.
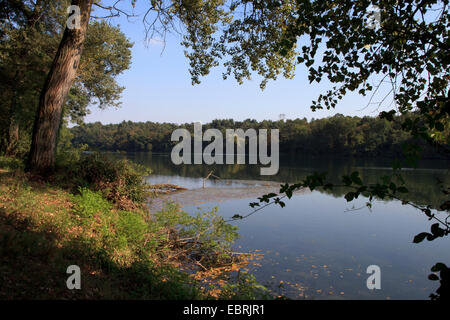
<point>158,88</point>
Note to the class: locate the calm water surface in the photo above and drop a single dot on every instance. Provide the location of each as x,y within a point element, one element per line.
<point>319,246</point>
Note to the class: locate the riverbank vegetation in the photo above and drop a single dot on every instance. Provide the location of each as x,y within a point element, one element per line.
<point>71,209</point>
<point>96,218</point>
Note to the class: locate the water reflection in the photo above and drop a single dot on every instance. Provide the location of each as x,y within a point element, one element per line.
<point>315,247</point>
<point>421,182</point>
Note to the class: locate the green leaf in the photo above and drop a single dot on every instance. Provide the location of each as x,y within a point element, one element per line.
<point>433,277</point>
<point>254,204</point>
<point>289,193</point>
<point>420,237</point>
<point>350,196</point>
<point>438,267</point>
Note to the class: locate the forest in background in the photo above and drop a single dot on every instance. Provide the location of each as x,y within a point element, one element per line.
<point>338,135</point>
<point>48,79</point>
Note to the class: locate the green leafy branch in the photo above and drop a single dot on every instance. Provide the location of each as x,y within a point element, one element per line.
<point>386,188</point>
<point>443,292</point>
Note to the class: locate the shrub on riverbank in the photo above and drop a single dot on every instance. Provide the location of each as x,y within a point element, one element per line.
<point>122,254</point>
<point>120,181</point>
<point>44,229</point>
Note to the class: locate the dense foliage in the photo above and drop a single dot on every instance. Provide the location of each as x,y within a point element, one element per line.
<point>29,39</point>
<point>121,182</point>
<point>212,31</point>
<point>361,46</point>
<point>398,53</point>
<point>338,135</point>
<point>124,254</point>
<point>408,50</point>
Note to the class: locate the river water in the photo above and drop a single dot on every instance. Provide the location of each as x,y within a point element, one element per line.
<point>319,246</point>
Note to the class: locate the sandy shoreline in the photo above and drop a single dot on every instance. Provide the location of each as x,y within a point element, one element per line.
<point>247,189</point>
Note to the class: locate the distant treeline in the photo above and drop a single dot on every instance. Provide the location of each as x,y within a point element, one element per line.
<point>337,135</point>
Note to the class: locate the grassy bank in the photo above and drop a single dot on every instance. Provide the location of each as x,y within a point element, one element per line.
<point>47,225</point>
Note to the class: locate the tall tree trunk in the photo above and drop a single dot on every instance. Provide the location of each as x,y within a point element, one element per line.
<point>13,128</point>
<point>57,85</point>
<point>13,138</point>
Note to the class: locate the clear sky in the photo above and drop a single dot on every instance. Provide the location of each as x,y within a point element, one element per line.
<point>158,88</point>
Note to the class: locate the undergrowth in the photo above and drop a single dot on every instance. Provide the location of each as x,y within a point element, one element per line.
<point>96,218</point>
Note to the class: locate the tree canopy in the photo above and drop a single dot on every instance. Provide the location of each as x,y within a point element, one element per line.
<point>242,34</point>
<point>409,49</point>
<point>339,135</point>
<point>27,51</point>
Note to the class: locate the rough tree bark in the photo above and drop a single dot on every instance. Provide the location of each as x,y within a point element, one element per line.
<point>57,85</point>
<point>13,138</point>
<point>13,130</point>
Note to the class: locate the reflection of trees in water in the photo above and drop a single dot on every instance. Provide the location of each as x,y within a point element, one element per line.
<point>421,183</point>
